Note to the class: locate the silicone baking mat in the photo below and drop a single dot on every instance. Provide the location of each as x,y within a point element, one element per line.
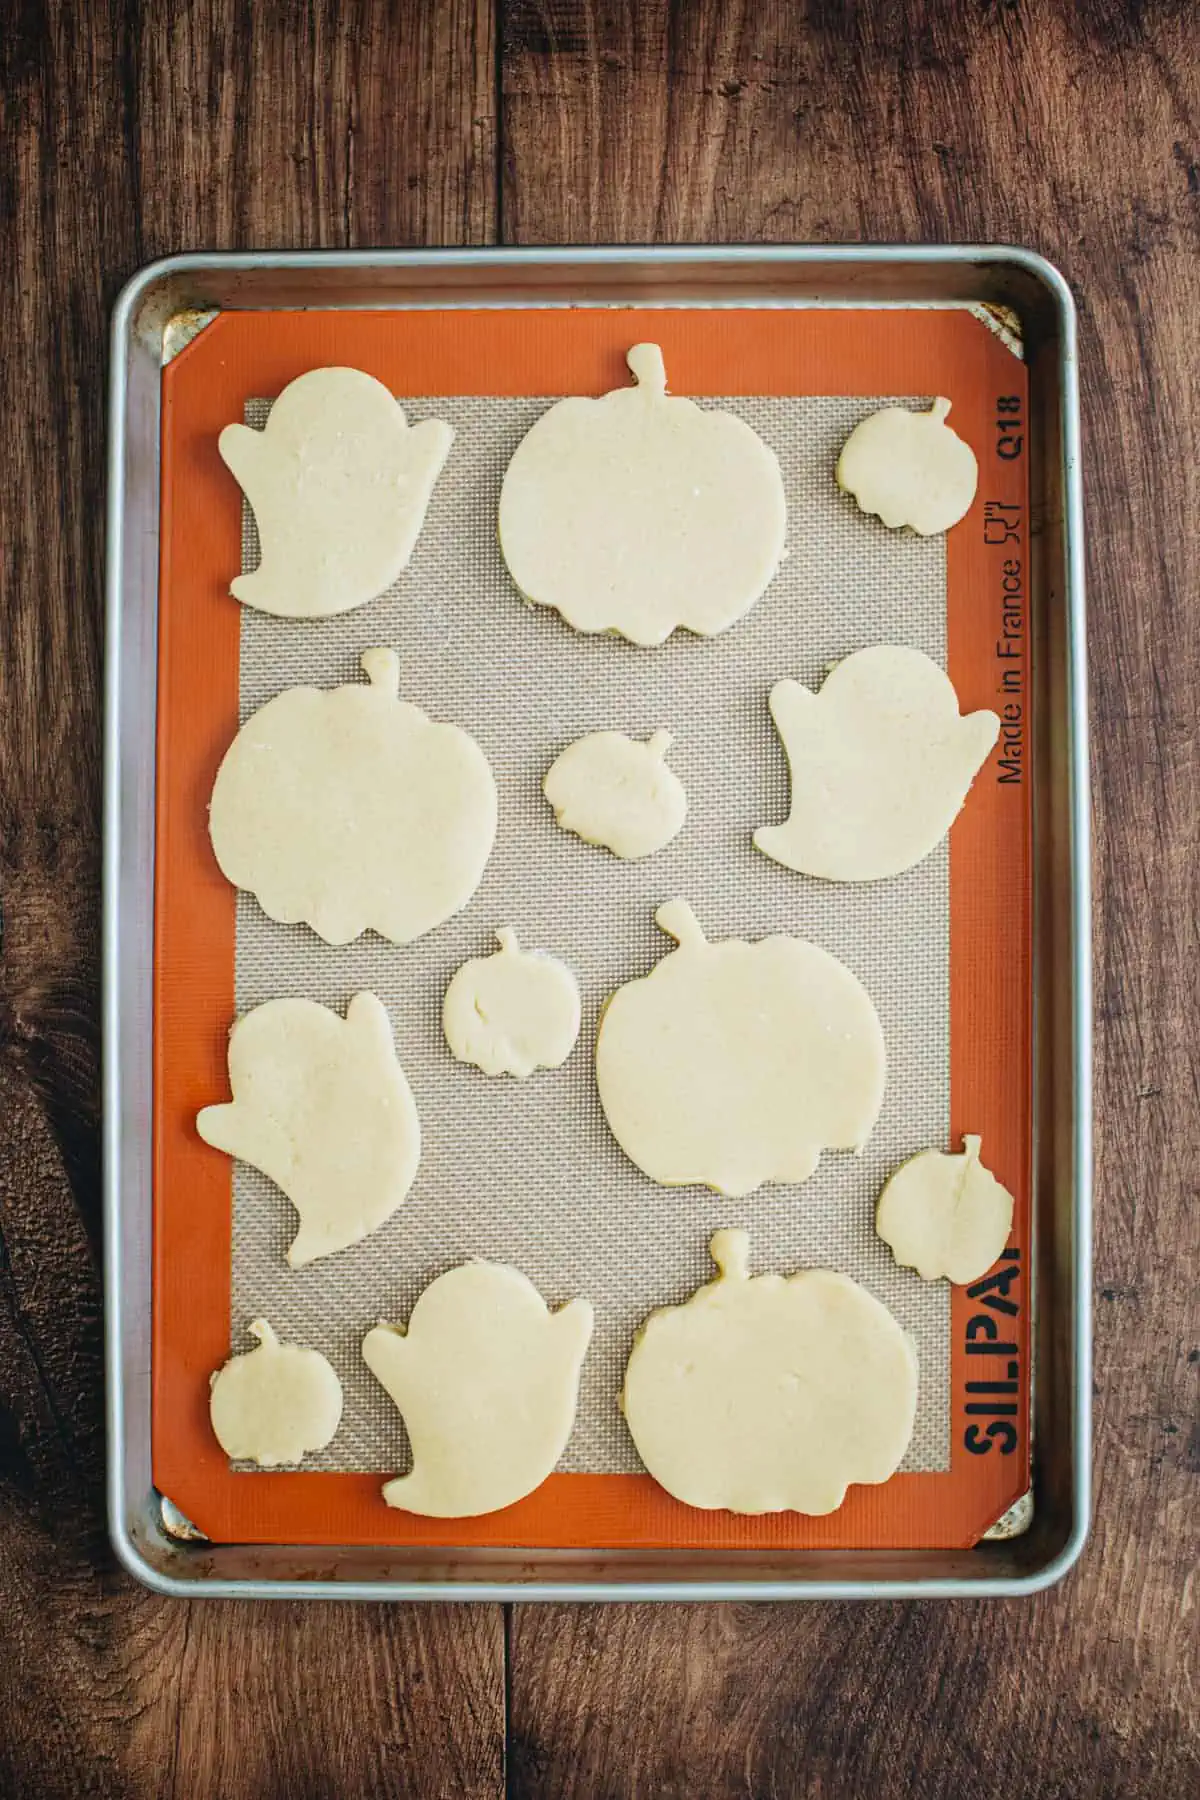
<point>529,1174</point>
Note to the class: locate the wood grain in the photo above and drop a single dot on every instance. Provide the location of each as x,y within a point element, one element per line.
<point>1073,130</point>
<point>126,133</point>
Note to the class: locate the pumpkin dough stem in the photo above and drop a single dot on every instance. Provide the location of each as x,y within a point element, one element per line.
<point>940,410</point>
<point>730,1250</point>
<point>677,919</point>
<point>506,937</point>
<point>649,370</point>
<point>660,742</point>
<point>382,669</point>
<point>262,1331</point>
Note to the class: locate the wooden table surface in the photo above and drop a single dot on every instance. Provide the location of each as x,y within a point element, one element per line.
<point>130,131</point>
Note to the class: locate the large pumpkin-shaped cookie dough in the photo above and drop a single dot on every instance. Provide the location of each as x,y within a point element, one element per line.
<point>880,760</point>
<point>487,1379</point>
<point>772,1394</point>
<point>353,811</point>
<point>338,482</point>
<point>640,512</point>
<point>323,1108</point>
<point>735,1064</point>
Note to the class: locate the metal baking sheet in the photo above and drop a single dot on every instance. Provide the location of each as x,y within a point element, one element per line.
<point>147,322</point>
<point>543,1184</point>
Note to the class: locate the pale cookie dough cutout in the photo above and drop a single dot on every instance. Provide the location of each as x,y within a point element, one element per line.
<point>614,792</point>
<point>910,469</point>
<point>487,1380</point>
<point>881,761</point>
<point>770,1394</point>
<point>338,482</point>
<point>352,811</point>
<point>274,1404</point>
<point>945,1215</point>
<point>512,1012</point>
<point>322,1107</point>
<point>638,512</point>
<point>735,1064</point>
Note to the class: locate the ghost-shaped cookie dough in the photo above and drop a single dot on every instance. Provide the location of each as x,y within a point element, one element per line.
<point>338,482</point>
<point>322,1107</point>
<point>512,1012</point>
<point>910,469</point>
<point>639,512</point>
<point>487,1380</point>
<point>276,1403</point>
<point>734,1064</point>
<point>353,811</point>
<point>770,1394</point>
<point>945,1215</point>
<point>612,791</point>
<point>881,761</point>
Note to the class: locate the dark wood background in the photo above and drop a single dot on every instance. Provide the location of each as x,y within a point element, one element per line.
<point>133,130</point>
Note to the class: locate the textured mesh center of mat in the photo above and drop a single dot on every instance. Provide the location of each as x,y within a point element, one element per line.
<point>528,1173</point>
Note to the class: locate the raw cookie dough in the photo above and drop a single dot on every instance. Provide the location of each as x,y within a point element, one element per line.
<point>354,812</point>
<point>945,1215</point>
<point>274,1404</point>
<point>733,1064</point>
<point>910,468</point>
<point>637,513</point>
<point>610,790</point>
<point>512,1012</point>
<point>771,1394</point>
<point>881,762</point>
<point>323,1108</point>
<point>487,1380</point>
<point>338,482</point>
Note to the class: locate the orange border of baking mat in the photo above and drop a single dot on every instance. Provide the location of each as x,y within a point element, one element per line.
<point>560,351</point>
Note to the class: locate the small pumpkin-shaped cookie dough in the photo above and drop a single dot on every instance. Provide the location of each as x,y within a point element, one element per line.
<point>612,791</point>
<point>910,469</point>
<point>881,761</point>
<point>322,1107</point>
<point>338,482</point>
<point>639,512</point>
<point>487,1379</point>
<point>353,811</point>
<point>945,1215</point>
<point>276,1403</point>
<point>512,1012</point>
<point>734,1064</point>
<point>770,1394</point>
